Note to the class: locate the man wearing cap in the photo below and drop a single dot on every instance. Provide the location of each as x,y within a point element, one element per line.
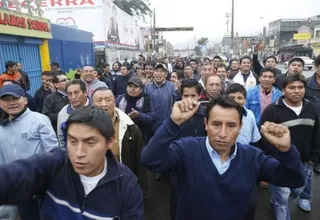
<point>32,134</point>
<point>163,94</point>
<point>295,66</point>
<point>137,105</point>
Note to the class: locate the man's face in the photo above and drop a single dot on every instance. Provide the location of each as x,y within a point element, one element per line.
<point>104,99</point>
<point>76,96</point>
<point>13,69</point>
<point>87,149</point>
<point>61,85</point>
<point>193,65</point>
<point>234,65</point>
<point>271,63</point>
<point>295,67</point>
<point>149,71</point>
<point>222,72</point>
<point>245,65</point>
<point>115,66</point>
<point>88,74</point>
<point>188,71</point>
<point>124,71</point>
<point>159,75</point>
<point>12,105</point>
<point>266,80</point>
<point>106,69</point>
<point>238,97</point>
<point>213,86</point>
<point>206,71</point>
<point>216,63</point>
<point>174,77</point>
<point>46,81</point>
<point>223,127</point>
<point>19,66</point>
<point>294,92</point>
<point>54,68</point>
<point>190,93</point>
<point>133,90</point>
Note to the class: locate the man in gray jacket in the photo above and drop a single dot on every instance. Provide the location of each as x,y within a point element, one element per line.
<point>91,82</point>
<point>23,134</point>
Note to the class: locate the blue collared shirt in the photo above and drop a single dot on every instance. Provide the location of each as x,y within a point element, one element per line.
<point>222,167</point>
<point>249,132</point>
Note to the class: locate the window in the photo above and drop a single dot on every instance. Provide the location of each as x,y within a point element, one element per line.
<point>318,33</point>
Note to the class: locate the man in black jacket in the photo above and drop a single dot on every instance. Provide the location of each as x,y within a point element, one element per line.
<point>313,95</point>
<point>302,119</point>
<point>45,90</point>
<point>295,66</point>
<point>57,100</point>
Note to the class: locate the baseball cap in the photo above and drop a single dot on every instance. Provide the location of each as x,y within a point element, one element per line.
<point>161,65</point>
<point>12,90</point>
<point>135,80</point>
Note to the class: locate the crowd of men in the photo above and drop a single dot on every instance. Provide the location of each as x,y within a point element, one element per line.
<point>159,139</point>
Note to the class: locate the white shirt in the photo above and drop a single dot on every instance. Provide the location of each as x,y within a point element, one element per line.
<point>297,110</point>
<point>89,183</point>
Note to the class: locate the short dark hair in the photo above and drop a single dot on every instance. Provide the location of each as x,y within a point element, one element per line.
<point>268,69</point>
<point>224,101</point>
<point>206,79</point>
<point>245,57</point>
<point>222,66</point>
<point>234,88</point>
<point>179,73</point>
<point>127,65</point>
<point>149,63</point>
<point>93,117</point>
<point>317,61</point>
<point>55,64</point>
<point>59,72</point>
<point>190,83</point>
<point>296,59</point>
<point>105,65</point>
<point>47,73</point>
<point>187,64</point>
<point>270,57</point>
<point>10,64</point>
<point>193,60</point>
<point>217,57</point>
<point>56,74</point>
<point>101,89</point>
<point>77,82</point>
<point>293,78</point>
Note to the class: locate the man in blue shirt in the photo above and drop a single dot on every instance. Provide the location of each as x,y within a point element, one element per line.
<point>216,176</point>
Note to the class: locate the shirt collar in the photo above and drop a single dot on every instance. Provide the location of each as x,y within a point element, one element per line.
<point>233,151</point>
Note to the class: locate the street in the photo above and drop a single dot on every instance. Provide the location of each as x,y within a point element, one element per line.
<point>264,211</point>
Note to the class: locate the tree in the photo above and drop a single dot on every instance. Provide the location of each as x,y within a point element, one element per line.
<point>198,50</point>
<point>136,8</point>
<point>203,41</point>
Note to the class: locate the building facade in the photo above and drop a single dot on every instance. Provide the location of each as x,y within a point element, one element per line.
<point>26,42</point>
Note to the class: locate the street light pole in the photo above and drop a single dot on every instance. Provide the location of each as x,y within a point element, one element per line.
<point>232,24</point>
<point>154,29</point>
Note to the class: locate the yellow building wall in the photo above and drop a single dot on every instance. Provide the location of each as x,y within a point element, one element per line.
<point>316,51</point>
<point>45,56</point>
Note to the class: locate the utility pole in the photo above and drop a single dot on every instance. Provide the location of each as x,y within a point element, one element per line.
<point>232,24</point>
<point>154,29</point>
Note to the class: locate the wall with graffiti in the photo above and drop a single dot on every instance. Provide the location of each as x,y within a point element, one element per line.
<point>71,48</point>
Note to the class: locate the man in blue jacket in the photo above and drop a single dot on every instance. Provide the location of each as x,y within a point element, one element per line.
<point>215,174</point>
<point>84,183</point>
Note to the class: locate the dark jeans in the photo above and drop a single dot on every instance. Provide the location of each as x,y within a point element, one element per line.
<point>249,215</point>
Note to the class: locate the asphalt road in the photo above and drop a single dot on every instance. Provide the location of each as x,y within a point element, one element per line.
<point>264,211</point>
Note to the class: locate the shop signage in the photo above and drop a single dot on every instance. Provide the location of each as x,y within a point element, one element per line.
<point>302,36</point>
<point>22,25</point>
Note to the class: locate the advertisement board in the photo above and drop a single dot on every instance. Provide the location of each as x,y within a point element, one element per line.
<point>302,36</point>
<point>20,24</point>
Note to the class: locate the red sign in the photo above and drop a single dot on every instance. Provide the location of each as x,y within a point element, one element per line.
<point>51,3</point>
<point>23,22</point>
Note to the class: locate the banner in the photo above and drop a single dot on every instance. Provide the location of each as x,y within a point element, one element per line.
<point>105,20</point>
<point>20,24</point>
<point>302,36</point>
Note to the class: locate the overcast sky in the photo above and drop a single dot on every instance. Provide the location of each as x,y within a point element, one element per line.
<point>208,16</point>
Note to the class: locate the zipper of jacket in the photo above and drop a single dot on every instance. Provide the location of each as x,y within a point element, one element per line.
<point>84,202</point>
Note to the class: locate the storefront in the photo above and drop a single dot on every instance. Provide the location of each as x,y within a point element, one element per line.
<point>316,48</point>
<point>25,39</point>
